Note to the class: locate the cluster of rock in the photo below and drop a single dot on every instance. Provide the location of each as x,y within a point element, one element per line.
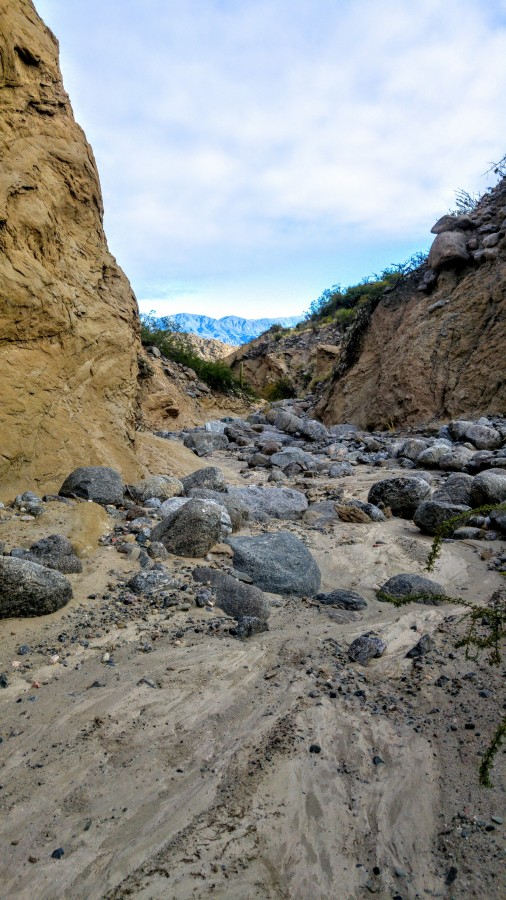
<point>448,476</point>
<point>470,456</point>
<point>474,237</point>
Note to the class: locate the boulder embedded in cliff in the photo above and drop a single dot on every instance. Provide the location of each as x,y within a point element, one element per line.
<point>448,247</point>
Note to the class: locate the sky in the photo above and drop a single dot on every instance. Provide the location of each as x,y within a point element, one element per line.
<point>254,152</point>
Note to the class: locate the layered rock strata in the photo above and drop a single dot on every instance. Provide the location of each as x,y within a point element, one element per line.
<point>68,317</point>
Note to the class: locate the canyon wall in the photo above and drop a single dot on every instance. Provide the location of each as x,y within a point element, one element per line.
<point>68,317</point>
<point>435,347</point>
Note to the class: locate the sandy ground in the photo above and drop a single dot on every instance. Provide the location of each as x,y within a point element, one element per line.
<point>200,782</point>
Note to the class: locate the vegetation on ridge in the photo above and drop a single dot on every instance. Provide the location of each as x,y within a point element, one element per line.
<point>340,305</point>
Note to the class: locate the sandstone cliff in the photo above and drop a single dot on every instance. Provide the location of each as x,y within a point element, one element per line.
<point>435,347</point>
<point>68,318</point>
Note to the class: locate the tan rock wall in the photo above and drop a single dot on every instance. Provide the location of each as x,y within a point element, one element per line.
<point>417,365</point>
<point>68,317</point>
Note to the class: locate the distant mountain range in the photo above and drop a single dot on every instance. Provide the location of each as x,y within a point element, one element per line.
<point>229,329</point>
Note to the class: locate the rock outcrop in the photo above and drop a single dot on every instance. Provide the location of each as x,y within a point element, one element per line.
<point>68,317</point>
<point>296,358</point>
<point>433,348</point>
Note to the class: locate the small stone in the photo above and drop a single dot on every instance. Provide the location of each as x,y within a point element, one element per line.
<point>315,748</point>
<point>378,761</point>
<point>58,853</point>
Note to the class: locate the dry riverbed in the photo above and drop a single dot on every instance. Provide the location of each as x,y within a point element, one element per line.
<point>168,759</point>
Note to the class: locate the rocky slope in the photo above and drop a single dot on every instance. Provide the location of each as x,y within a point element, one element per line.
<point>434,347</point>
<point>299,358</point>
<point>68,317</point>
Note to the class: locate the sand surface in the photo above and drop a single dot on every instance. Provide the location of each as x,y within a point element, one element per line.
<point>200,782</point>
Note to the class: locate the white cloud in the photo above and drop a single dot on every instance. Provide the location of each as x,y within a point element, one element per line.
<point>231,132</point>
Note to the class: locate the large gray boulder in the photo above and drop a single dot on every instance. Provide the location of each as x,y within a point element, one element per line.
<point>431,456</point>
<point>55,552</point>
<point>29,589</point>
<point>417,587</point>
<point>432,514</point>
<point>210,477</point>
<point>456,489</point>
<point>276,503</point>
<point>234,597</point>
<point>194,529</point>
<point>488,487</point>
<point>456,460</point>
<point>313,430</point>
<point>98,483</point>
<point>402,495</point>
<point>286,421</point>
<point>237,510</point>
<point>163,487</point>
<point>278,563</point>
<point>448,247</point>
<point>203,442</point>
<point>484,437</point>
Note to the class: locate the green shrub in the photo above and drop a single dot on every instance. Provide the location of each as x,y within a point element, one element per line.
<point>337,304</point>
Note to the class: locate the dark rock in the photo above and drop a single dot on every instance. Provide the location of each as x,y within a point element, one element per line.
<point>203,442</point>
<point>342,599</point>
<point>55,552</point>
<point>277,503</point>
<point>58,854</point>
<point>498,519</point>
<point>315,748</point>
<point>248,626</point>
<point>402,495</point>
<point>98,483</point>
<point>366,647</point>
<point>210,477</point>
<point>432,514</point>
<point>29,589</point>
<point>232,596</point>
<point>424,646</point>
<point>195,529</point>
<point>156,579</point>
<point>421,589</point>
<point>279,563</point>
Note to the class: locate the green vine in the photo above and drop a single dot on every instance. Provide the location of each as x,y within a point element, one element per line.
<point>448,527</point>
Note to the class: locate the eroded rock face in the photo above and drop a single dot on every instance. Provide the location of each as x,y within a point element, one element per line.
<point>417,357</point>
<point>68,317</point>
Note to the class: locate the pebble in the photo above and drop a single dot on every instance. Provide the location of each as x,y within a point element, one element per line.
<point>315,748</point>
